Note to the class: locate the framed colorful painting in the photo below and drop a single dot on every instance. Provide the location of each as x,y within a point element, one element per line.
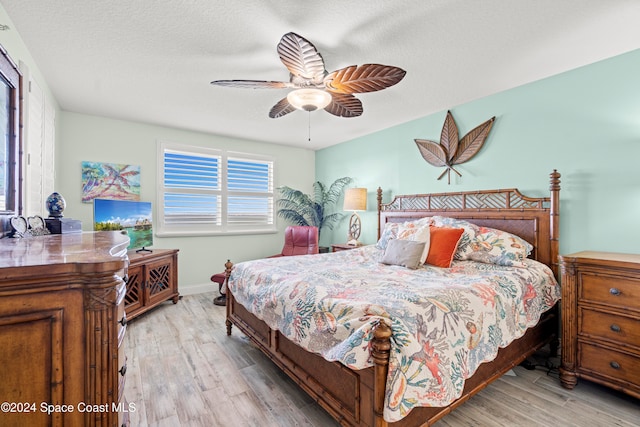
<point>110,181</point>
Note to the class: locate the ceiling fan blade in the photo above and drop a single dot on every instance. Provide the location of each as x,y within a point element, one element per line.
<point>363,78</point>
<point>281,108</point>
<point>252,84</point>
<point>344,105</point>
<point>300,57</point>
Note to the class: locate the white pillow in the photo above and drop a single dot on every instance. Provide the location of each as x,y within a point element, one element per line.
<point>406,253</point>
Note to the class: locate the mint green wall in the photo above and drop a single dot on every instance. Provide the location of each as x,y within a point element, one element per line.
<point>585,123</point>
<point>98,139</point>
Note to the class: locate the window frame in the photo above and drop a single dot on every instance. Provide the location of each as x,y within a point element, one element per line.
<point>175,230</point>
<point>12,80</point>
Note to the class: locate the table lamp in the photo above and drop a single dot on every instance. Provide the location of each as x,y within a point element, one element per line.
<point>355,199</point>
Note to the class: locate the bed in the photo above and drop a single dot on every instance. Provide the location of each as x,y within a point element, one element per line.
<point>388,386</point>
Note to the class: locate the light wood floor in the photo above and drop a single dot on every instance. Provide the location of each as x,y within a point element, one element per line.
<point>183,370</point>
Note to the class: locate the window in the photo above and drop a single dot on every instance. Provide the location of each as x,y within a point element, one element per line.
<point>11,130</point>
<point>208,191</point>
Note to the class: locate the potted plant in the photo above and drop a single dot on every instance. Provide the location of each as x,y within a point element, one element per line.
<point>303,209</point>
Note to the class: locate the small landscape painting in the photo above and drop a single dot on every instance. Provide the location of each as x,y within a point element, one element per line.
<point>133,217</point>
<point>110,181</point>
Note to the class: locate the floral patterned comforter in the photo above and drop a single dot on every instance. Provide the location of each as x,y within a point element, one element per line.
<point>445,322</point>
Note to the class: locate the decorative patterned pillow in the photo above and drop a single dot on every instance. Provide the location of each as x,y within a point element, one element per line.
<point>389,232</point>
<point>392,229</point>
<point>407,253</point>
<point>488,245</point>
<point>493,246</point>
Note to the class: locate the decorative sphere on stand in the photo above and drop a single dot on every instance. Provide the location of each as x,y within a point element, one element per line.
<point>55,205</point>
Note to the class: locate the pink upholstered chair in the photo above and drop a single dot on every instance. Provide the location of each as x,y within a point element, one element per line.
<point>298,240</point>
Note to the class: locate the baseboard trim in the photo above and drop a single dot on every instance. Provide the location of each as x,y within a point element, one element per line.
<point>198,288</point>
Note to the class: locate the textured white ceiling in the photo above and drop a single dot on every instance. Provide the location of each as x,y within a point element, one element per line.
<point>153,60</point>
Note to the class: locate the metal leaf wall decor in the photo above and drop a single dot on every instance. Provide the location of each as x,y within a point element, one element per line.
<point>451,150</point>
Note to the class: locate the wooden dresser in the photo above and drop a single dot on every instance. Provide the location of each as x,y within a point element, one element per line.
<point>601,320</point>
<point>62,327</point>
<point>152,280</point>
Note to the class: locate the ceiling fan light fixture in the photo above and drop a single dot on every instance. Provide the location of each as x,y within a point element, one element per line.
<point>309,99</point>
<point>314,87</point>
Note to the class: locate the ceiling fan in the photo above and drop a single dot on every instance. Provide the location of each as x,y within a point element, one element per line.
<point>314,87</point>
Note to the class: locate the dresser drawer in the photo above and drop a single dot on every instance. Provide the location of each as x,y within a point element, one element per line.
<point>612,290</point>
<point>621,329</point>
<point>610,364</point>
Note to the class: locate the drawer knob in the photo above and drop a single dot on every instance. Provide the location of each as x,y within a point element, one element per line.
<point>123,321</point>
<point>614,365</point>
<point>615,291</point>
<point>123,370</point>
<point>615,328</point>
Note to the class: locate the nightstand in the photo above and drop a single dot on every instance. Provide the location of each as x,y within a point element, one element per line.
<point>601,320</point>
<point>342,247</point>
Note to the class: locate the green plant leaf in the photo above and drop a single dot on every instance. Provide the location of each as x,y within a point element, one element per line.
<point>335,190</point>
<point>330,220</point>
<point>301,209</point>
<point>292,216</point>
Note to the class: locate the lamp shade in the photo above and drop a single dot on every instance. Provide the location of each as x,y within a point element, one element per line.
<point>309,99</point>
<point>355,199</point>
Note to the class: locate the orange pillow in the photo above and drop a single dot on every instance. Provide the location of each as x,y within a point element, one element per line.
<point>444,242</point>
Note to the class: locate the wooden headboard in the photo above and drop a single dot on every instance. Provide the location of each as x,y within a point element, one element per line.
<point>536,220</point>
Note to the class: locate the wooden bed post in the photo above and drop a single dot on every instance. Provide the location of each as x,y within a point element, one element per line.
<point>554,234</point>
<point>228,266</point>
<point>380,352</point>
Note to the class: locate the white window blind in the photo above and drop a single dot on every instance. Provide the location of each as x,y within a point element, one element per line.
<point>250,192</point>
<point>207,191</point>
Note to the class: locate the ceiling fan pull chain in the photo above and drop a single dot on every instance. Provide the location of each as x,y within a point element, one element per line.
<point>309,126</point>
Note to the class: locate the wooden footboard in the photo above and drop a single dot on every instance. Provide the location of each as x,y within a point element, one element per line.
<point>346,394</point>
<point>356,397</point>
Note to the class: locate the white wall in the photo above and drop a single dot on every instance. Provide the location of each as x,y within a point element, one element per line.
<point>38,133</point>
<point>99,139</point>
<point>19,52</point>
